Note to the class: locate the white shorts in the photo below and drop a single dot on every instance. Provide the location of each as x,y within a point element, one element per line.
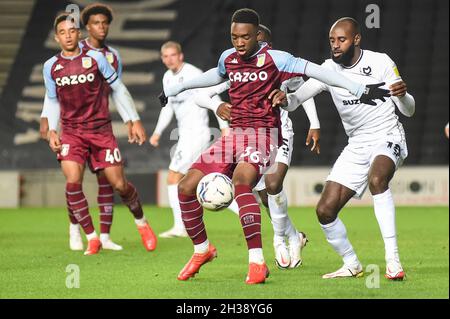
<point>187,151</point>
<point>351,169</point>
<point>284,156</point>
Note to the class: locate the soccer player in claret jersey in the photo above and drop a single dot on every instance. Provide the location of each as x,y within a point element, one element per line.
<point>254,70</point>
<point>376,145</point>
<point>77,89</point>
<point>288,242</point>
<point>97,18</point>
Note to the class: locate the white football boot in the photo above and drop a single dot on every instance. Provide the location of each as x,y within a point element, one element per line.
<point>75,240</point>
<point>282,257</point>
<point>346,271</point>
<point>296,246</point>
<point>108,244</point>
<point>174,232</point>
<point>394,270</point>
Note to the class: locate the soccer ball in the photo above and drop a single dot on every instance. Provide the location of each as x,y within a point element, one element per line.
<point>215,191</point>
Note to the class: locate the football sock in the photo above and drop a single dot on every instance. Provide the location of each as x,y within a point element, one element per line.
<point>278,212</point>
<point>250,215</point>
<point>105,200</point>
<point>131,200</point>
<point>291,232</point>
<point>91,235</point>
<point>337,237</point>
<point>202,247</point>
<point>172,191</point>
<point>140,221</point>
<point>385,213</point>
<point>104,237</point>
<point>255,255</point>
<point>234,207</point>
<point>78,205</point>
<point>192,214</point>
<point>72,218</point>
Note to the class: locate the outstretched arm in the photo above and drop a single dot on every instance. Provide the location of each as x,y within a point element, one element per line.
<point>208,78</point>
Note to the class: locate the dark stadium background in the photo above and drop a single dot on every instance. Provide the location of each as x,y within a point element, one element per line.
<point>414,33</point>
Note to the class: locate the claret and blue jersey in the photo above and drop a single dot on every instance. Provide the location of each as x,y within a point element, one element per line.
<point>252,80</point>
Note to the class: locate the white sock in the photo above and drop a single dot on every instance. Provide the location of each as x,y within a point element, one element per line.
<point>140,222</point>
<point>91,235</point>
<point>255,255</point>
<point>383,205</point>
<point>104,237</point>
<point>202,248</point>
<point>337,237</point>
<point>278,212</point>
<point>74,228</point>
<point>172,191</point>
<point>291,232</point>
<point>234,207</point>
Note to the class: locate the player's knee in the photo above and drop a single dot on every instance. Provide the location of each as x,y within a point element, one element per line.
<point>326,212</point>
<point>377,185</point>
<point>273,187</point>
<point>120,186</point>
<point>186,187</point>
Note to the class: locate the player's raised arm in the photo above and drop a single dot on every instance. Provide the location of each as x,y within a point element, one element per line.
<point>209,78</point>
<point>209,98</point>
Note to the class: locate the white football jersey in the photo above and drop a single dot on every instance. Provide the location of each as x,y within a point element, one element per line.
<point>363,122</point>
<point>189,115</point>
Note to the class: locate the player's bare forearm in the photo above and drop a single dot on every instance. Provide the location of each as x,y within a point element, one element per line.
<point>43,128</point>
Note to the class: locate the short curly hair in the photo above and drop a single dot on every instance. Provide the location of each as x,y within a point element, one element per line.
<point>96,8</point>
<point>246,15</point>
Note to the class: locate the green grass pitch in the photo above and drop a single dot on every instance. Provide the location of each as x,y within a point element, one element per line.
<point>34,255</point>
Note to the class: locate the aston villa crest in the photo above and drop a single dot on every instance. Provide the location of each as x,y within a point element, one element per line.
<point>86,62</point>
<point>261,60</point>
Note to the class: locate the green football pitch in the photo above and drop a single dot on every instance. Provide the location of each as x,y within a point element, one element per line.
<point>35,260</point>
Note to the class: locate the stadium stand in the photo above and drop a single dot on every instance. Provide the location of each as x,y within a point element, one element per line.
<point>414,33</point>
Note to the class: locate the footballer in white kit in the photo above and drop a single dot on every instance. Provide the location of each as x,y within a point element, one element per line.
<point>376,144</point>
<point>193,133</point>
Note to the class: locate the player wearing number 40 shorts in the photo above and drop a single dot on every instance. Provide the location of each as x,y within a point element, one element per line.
<point>78,83</point>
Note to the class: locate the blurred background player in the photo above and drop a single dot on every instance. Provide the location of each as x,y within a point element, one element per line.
<point>270,188</point>
<point>193,128</point>
<point>96,18</point>
<point>254,70</point>
<point>447,130</point>
<point>77,89</point>
<point>376,145</point>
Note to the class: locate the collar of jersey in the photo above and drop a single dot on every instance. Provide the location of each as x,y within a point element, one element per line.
<point>354,64</point>
<point>262,45</point>
<point>71,57</point>
<point>91,47</point>
<point>182,66</point>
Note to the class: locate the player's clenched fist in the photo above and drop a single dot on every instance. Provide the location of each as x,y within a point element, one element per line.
<point>54,141</point>
<point>398,89</point>
<point>278,98</point>
<point>154,140</point>
<point>224,111</point>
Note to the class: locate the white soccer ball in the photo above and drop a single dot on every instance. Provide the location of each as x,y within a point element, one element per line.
<point>215,191</point>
